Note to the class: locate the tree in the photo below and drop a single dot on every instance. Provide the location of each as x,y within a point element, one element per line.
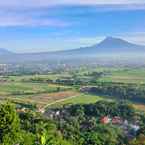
<point>9,125</point>
<point>47,134</point>
<point>27,138</point>
<point>140,140</point>
<point>103,135</point>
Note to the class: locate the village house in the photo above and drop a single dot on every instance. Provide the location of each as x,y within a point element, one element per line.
<point>105,120</point>
<point>41,110</point>
<point>129,128</point>
<point>117,120</point>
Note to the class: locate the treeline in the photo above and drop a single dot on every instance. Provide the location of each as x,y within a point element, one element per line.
<point>73,79</point>
<point>119,91</point>
<point>104,108</point>
<point>35,92</point>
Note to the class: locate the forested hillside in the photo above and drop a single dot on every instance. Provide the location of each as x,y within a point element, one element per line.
<point>73,125</point>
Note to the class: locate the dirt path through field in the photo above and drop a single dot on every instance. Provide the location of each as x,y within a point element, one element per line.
<point>58,101</point>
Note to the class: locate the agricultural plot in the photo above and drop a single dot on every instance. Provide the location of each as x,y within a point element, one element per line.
<point>136,76</point>
<point>79,99</point>
<point>42,77</point>
<point>18,89</point>
<point>32,93</point>
<point>27,89</point>
<point>140,107</point>
<point>24,89</point>
<point>44,100</point>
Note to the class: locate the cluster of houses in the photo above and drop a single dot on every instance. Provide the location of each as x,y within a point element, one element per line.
<point>114,120</point>
<point>129,128</point>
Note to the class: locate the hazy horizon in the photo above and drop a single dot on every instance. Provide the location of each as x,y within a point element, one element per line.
<point>91,45</point>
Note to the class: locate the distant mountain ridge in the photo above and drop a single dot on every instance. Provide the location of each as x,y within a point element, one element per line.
<point>111,45</point>
<point>108,46</point>
<point>5,51</point>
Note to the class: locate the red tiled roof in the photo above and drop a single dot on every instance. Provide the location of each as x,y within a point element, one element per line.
<point>104,120</point>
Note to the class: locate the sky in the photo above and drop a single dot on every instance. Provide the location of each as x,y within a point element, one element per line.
<point>50,25</point>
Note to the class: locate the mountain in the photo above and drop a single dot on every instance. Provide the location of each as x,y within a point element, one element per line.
<point>5,52</point>
<point>108,47</point>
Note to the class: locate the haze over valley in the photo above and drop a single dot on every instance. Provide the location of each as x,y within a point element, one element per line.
<point>110,49</point>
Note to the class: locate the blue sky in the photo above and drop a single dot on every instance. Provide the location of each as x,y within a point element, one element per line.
<point>49,25</point>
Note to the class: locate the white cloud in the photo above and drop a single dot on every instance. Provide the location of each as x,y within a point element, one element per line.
<point>30,22</point>
<point>12,14</point>
<point>28,17</point>
<point>90,2</point>
<point>38,3</point>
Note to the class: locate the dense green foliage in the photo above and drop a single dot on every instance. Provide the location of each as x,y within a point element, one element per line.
<point>9,125</point>
<point>74,125</point>
<point>28,129</point>
<point>80,124</point>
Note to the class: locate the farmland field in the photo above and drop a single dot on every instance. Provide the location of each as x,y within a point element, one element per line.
<point>43,100</point>
<point>136,76</point>
<point>139,107</point>
<point>79,99</point>
<point>19,88</point>
<point>42,94</point>
<point>37,89</point>
<point>34,93</point>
